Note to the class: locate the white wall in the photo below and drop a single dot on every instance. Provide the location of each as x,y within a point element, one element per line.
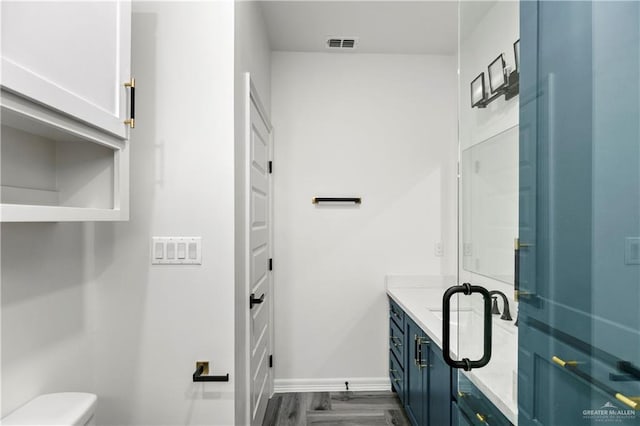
<point>487,37</point>
<point>82,308</point>
<point>494,33</point>
<point>156,321</point>
<point>252,54</point>
<point>382,127</point>
<point>47,317</point>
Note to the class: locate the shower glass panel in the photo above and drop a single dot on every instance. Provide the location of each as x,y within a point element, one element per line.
<point>488,210</point>
<point>579,214</point>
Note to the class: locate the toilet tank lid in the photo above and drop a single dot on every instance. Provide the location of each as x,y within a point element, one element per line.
<point>62,409</point>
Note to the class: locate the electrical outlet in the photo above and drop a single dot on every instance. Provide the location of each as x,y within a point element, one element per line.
<point>439,249</point>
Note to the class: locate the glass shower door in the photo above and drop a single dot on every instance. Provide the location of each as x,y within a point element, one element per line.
<point>482,309</point>
<point>579,257</point>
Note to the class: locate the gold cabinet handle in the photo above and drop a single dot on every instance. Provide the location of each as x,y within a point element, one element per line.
<point>482,418</point>
<point>517,244</point>
<point>563,363</point>
<point>631,402</point>
<point>131,84</point>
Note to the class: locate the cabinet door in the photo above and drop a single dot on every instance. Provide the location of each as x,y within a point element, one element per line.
<point>458,418</point>
<point>439,388</point>
<point>73,57</point>
<point>417,375</point>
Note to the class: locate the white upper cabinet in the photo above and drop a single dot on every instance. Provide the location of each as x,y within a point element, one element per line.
<point>72,57</point>
<point>64,105</point>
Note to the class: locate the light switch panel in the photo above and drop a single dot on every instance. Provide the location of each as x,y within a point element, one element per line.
<point>176,251</point>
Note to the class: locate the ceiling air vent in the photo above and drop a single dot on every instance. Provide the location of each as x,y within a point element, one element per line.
<point>341,43</point>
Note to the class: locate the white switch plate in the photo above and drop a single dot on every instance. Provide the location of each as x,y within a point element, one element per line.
<point>176,251</point>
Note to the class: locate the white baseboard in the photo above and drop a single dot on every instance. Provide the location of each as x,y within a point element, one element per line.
<point>331,385</point>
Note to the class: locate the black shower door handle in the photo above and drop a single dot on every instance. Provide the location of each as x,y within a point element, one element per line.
<point>465,363</point>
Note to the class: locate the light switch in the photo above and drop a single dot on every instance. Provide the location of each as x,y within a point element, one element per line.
<point>193,251</point>
<point>182,250</point>
<point>171,250</point>
<point>176,251</point>
<point>158,250</point>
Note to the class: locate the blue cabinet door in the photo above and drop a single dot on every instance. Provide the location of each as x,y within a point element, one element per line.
<point>458,418</point>
<point>416,404</point>
<point>579,323</point>
<point>439,388</point>
<point>397,353</point>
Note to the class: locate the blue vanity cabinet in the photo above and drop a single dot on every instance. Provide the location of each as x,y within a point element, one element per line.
<point>428,383</point>
<point>417,385</point>
<point>397,354</point>
<point>458,418</point>
<point>472,407</point>
<point>418,372</point>
<point>439,388</point>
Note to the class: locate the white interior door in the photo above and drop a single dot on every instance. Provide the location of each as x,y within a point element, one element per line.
<point>259,254</point>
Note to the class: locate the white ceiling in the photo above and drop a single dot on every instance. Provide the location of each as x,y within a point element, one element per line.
<point>409,27</point>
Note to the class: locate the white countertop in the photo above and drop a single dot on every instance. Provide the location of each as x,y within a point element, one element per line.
<point>423,303</point>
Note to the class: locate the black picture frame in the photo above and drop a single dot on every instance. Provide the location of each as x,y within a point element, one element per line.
<point>480,101</point>
<point>516,54</point>
<point>502,69</point>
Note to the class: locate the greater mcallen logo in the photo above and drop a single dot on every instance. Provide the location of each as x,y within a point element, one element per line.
<point>609,413</point>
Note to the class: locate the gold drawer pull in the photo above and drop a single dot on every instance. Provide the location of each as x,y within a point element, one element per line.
<point>632,402</point>
<point>482,418</point>
<point>518,245</point>
<point>563,363</point>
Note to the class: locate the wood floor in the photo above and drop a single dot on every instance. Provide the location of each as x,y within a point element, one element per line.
<point>335,408</point>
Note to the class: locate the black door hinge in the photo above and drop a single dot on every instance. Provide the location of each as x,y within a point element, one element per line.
<point>270,167</point>
<point>271,264</point>
<point>270,361</point>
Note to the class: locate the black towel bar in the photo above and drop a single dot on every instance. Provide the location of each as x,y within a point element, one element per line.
<point>356,200</point>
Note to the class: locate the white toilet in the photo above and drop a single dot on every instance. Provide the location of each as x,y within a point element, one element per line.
<point>60,409</point>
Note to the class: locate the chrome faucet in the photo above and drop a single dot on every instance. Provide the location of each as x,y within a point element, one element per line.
<point>506,315</point>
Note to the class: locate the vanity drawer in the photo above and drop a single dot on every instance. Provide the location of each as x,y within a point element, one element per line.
<point>396,375</point>
<point>458,418</point>
<point>476,406</point>
<point>396,314</point>
<point>396,343</point>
